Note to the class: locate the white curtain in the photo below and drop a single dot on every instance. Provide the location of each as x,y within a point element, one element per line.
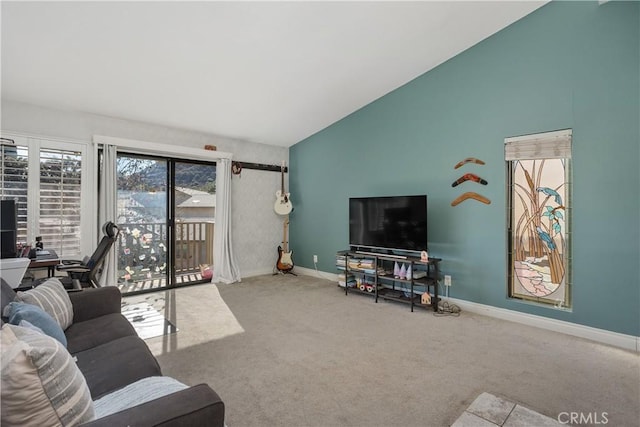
<point>225,266</point>
<point>107,209</point>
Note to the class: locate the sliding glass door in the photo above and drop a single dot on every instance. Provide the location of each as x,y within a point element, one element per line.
<point>166,211</point>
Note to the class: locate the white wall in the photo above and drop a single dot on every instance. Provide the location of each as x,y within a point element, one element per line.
<point>256,229</point>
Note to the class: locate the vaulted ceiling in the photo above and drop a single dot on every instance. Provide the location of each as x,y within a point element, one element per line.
<point>268,72</point>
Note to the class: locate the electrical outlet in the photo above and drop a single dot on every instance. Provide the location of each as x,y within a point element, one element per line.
<point>447,280</point>
<point>315,258</point>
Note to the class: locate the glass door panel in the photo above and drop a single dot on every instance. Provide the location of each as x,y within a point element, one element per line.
<point>194,205</point>
<point>143,221</point>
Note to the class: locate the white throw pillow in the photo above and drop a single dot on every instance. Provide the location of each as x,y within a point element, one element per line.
<point>41,384</point>
<point>52,297</point>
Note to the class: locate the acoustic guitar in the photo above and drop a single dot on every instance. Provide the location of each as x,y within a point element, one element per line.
<point>285,260</point>
<point>283,204</point>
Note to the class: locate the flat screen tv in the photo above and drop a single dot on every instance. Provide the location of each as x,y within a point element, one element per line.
<point>395,223</point>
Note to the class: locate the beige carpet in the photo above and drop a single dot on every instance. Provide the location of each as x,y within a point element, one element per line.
<point>295,351</point>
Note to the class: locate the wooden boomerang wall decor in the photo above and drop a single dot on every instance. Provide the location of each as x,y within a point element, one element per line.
<point>469,177</point>
<point>470,195</point>
<point>468,160</point>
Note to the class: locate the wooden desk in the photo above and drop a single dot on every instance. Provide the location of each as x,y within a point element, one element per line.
<point>49,261</point>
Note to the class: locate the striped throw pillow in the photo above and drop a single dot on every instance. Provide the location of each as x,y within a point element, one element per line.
<point>52,297</point>
<point>41,384</point>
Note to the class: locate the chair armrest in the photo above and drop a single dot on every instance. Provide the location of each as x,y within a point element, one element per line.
<point>90,303</point>
<point>73,268</point>
<point>71,261</point>
<point>196,406</point>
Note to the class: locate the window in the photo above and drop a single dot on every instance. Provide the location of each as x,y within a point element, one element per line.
<point>538,170</point>
<point>48,178</point>
<point>14,166</point>
<point>60,190</point>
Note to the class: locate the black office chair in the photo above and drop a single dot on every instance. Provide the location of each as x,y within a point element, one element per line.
<point>83,273</point>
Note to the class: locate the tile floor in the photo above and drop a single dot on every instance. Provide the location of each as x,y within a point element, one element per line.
<point>491,411</point>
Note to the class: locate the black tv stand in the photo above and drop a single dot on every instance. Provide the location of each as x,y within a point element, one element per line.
<point>372,273</point>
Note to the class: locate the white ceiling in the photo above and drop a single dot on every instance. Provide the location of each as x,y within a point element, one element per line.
<point>268,72</point>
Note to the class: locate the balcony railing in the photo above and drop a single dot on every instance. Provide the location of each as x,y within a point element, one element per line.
<point>143,255</point>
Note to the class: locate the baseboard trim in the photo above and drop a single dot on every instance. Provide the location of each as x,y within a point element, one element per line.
<point>316,273</point>
<point>627,342</point>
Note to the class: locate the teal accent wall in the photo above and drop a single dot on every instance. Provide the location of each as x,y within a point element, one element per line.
<point>567,65</point>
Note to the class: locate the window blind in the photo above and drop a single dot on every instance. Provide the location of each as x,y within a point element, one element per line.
<point>547,145</point>
<point>14,175</point>
<point>60,197</point>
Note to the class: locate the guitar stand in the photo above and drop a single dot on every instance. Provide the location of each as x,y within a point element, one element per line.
<point>285,272</point>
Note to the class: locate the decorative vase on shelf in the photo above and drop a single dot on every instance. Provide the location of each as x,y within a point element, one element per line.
<point>403,271</point>
<point>409,273</point>
<point>396,270</point>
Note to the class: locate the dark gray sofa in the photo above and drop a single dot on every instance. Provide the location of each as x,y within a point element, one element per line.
<point>110,355</point>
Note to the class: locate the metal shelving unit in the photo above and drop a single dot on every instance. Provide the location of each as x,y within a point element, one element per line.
<point>373,275</point>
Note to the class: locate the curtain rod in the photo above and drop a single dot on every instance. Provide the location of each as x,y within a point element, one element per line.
<point>261,166</point>
<point>151,148</point>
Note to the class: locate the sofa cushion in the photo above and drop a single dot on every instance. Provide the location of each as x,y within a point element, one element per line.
<point>52,298</point>
<point>135,394</point>
<point>115,364</point>
<point>94,332</point>
<point>95,302</point>
<point>41,384</point>
<point>18,312</point>
<point>7,295</point>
